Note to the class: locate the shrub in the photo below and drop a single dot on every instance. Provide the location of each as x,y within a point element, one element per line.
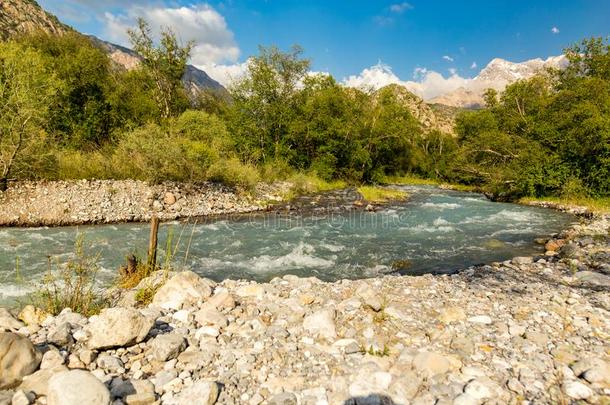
<point>70,284</point>
<point>234,173</point>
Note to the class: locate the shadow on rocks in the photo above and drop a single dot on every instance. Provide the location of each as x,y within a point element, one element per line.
<point>373,399</point>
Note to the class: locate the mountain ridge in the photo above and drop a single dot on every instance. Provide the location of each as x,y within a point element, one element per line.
<point>498,74</point>
<point>21,17</point>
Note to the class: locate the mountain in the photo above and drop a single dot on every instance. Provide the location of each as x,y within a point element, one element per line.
<point>496,75</point>
<point>194,79</point>
<point>26,16</point>
<point>431,116</point>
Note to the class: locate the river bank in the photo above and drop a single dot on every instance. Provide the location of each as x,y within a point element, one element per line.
<point>79,202</point>
<point>530,329</point>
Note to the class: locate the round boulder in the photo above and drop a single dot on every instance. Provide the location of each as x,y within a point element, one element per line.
<point>77,387</point>
<point>18,358</point>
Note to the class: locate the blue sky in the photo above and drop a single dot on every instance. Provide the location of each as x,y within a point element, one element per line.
<point>345,37</point>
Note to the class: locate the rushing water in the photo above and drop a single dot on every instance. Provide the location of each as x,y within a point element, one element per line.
<point>436,231</point>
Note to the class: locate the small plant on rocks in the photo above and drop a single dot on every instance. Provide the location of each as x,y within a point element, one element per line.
<point>70,284</point>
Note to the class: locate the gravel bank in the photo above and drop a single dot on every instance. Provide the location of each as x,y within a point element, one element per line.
<point>110,201</point>
<point>530,329</point>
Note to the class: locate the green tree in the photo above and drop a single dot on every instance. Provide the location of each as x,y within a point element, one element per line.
<point>165,64</point>
<point>264,102</point>
<point>28,88</point>
<point>81,115</point>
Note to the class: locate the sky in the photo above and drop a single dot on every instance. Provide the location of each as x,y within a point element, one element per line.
<point>434,45</point>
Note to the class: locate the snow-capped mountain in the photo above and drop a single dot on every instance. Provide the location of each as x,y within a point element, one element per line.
<point>496,75</point>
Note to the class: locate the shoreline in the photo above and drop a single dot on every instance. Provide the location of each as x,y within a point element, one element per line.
<point>530,328</point>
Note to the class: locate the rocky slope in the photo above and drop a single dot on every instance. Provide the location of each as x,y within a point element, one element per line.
<point>25,16</point>
<point>496,75</point>
<point>431,117</point>
<point>529,329</point>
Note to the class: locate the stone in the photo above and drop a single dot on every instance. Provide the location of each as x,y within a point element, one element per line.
<point>21,398</point>
<point>145,398</point>
<point>404,388</point>
<point>51,359</point>
<point>167,347</point>
<point>482,319</point>
<point>126,388</point>
<point>429,364</point>
<point>594,370</point>
<point>32,315</point>
<point>201,393</point>
<point>593,278</point>
<point>321,323</point>
<point>110,363</point>
<point>481,388</point>
<point>211,316</point>
<point>115,327</point>
<point>221,300</point>
<point>183,289</point>
<point>38,382</point>
<point>285,398</point>
<point>553,245</point>
<point>251,291</point>
<point>8,321</point>
<point>465,399</point>
<point>77,387</point>
<point>576,390</point>
<point>452,314</point>
<point>522,260</point>
<point>60,335</point>
<point>369,297</point>
<point>18,358</point>
<point>169,198</point>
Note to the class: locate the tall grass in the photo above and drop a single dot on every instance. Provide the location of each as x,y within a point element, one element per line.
<point>380,195</point>
<point>71,284</point>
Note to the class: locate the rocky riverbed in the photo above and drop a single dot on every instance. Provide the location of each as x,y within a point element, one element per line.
<point>31,203</point>
<point>528,330</point>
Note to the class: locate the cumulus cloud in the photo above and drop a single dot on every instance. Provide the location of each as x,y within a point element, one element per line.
<point>225,74</point>
<point>448,58</point>
<point>214,42</point>
<point>474,65</point>
<point>426,83</point>
<point>555,30</point>
<point>399,8</point>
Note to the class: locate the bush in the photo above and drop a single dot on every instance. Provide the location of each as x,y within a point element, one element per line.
<point>234,173</point>
<point>71,285</point>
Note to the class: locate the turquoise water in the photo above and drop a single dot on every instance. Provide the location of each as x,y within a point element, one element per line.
<point>436,231</point>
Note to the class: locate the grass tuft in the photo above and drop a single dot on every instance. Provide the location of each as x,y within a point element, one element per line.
<point>376,194</point>
<point>71,284</point>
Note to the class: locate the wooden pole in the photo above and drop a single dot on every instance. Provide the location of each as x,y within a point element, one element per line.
<point>152,244</point>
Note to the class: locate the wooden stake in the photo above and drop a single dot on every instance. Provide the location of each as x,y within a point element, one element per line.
<point>152,245</point>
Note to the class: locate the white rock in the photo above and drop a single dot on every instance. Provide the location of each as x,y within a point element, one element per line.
<point>182,290</point>
<point>576,390</point>
<point>200,393</point>
<point>429,364</point>
<point>77,387</point>
<point>167,347</point>
<point>321,323</point>
<point>117,327</point>
<point>8,321</point>
<point>483,319</point>
<point>18,358</point>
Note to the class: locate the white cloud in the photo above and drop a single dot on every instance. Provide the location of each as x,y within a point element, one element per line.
<point>452,71</point>
<point>555,30</point>
<point>448,58</point>
<point>399,8</point>
<point>225,74</point>
<point>426,84</point>
<point>474,65</point>
<point>214,42</point>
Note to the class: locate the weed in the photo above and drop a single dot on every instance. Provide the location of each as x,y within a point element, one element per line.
<point>70,284</point>
<point>380,195</point>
